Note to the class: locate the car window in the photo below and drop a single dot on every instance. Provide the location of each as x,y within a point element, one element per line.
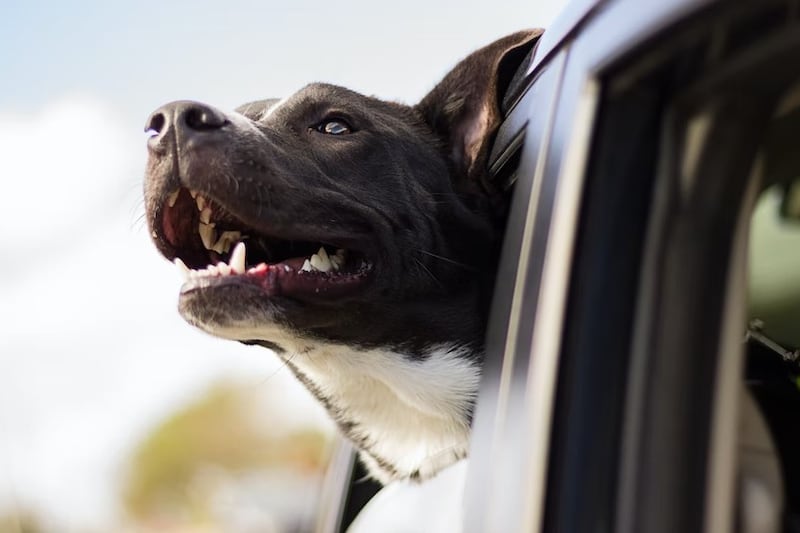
<point>769,472</point>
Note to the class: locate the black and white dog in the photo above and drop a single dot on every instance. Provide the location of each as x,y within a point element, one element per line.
<point>356,238</point>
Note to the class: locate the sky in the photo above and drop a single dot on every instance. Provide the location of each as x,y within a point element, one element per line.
<point>92,351</point>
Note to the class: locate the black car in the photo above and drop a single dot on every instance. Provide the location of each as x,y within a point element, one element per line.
<point>642,370</point>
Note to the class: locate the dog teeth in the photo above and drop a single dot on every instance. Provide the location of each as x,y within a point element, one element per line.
<point>201,202</point>
<point>260,268</point>
<point>236,266</point>
<point>205,214</point>
<point>226,239</point>
<point>223,268</point>
<point>222,242</point>
<point>320,260</point>
<point>208,235</point>
<point>219,246</point>
<point>337,260</point>
<point>237,262</point>
<point>182,268</point>
<point>173,197</point>
<point>238,258</point>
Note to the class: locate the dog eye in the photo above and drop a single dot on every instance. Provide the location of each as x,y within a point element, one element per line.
<point>334,127</point>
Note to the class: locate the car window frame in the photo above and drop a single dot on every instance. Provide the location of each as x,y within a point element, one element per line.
<point>592,55</point>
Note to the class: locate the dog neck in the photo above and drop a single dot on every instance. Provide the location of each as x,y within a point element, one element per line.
<point>408,413</point>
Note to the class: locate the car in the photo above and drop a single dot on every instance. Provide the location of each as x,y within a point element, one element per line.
<point>641,369</point>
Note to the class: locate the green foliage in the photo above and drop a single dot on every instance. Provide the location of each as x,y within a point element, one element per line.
<point>225,431</point>
<point>19,522</point>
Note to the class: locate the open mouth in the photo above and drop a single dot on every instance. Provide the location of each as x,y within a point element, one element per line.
<point>212,247</point>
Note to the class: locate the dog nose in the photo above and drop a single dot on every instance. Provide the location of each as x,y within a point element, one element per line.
<point>183,119</point>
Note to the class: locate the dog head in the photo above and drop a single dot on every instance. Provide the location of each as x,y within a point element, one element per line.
<point>356,237</point>
<point>392,195</point>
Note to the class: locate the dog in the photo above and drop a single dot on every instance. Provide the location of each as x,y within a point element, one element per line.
<point>356,238</point>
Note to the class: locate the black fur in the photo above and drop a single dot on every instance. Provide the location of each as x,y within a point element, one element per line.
<point>407,189</point>
<point>403,188</point>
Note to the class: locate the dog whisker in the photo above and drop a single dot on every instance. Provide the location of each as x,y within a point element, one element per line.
<point>138,216</point>
<point>446,259</point>
<point>138,223</point>
<point>283,366</point>
<point>428,271</point>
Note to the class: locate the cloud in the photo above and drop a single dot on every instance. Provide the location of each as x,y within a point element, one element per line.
<point>69,156</point>
<point>93,352</point>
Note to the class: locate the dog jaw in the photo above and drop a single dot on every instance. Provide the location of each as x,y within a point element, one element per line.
<point>408,414</point>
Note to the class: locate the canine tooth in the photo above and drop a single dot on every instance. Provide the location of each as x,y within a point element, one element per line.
<point>182,268</point>
<point>315,261</point>
<point>205,215</point>
<point>219,246</point>
<point>201,202</point>
<point>193,193</point>
<point>307,266</point>
<point>208,235</point>
<point>238,258</point>
<point>173,197</point>
<point>223,245</point>
<point>321,261</point>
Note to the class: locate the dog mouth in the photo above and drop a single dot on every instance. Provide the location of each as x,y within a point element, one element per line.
<point>212,247</point>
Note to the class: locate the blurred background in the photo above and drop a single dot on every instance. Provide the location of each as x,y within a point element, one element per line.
<point>114,414</point>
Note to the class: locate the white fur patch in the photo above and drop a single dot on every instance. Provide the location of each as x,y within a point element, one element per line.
<point>410,413</point>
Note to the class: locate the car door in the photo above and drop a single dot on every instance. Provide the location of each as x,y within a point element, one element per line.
<point>612,393</point>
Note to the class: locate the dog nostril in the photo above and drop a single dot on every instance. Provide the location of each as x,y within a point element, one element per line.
<point>203,119</point>
<point>180,121</point>
<point>155,124</point>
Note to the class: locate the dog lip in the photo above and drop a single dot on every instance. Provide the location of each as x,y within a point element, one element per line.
<point>279,280</point>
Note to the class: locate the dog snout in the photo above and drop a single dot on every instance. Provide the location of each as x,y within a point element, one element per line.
<point>182,122</point>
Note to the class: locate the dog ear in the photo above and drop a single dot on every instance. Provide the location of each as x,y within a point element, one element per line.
<point>464,108</point>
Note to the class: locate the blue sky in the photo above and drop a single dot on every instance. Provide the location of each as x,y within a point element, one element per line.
<point>136,54</point>
<point>92,352</point>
